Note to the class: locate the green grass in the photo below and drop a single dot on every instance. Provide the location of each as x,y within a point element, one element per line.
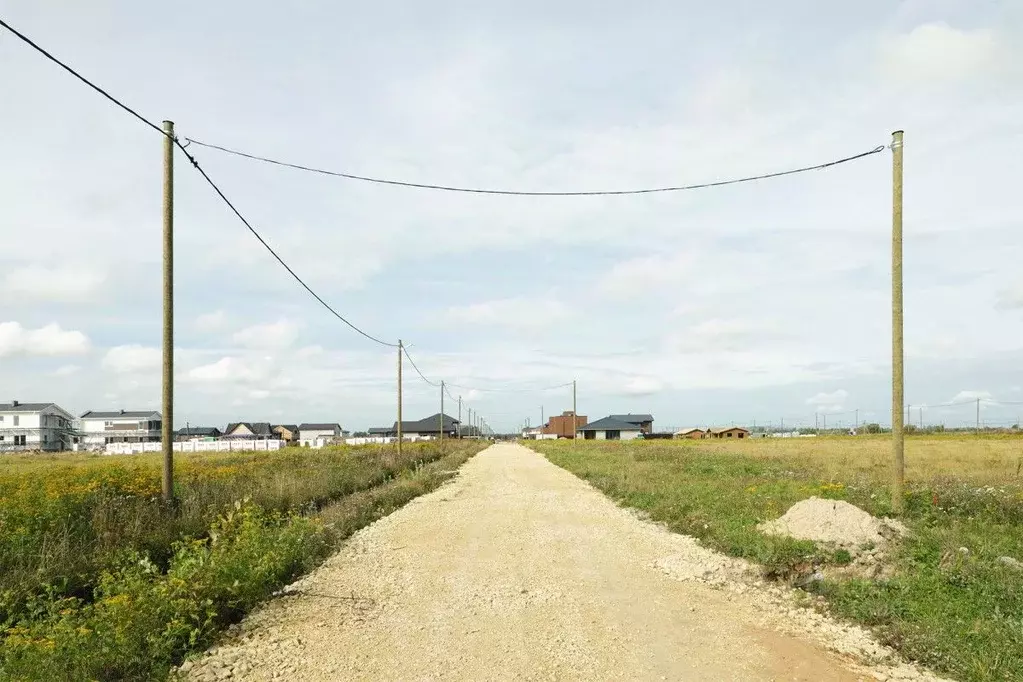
<point>138,616</point>
<point>957,613</point>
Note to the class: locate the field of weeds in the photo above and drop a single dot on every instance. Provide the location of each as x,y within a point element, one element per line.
<point>99,579</point>
<point>952,598</point>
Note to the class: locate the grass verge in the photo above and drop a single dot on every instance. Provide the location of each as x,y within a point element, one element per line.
<point>141,617</point>
<point>951,605</point>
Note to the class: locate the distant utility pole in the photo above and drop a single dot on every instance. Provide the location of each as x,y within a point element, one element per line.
<point>898,377</point>
<point>824,418</point>
<point>400,350</point>
<point>575,418</point>
<point>921,417</point>
<point>541,417</point>
<point>817,422</point>
<point>857,420</point>
<point>167,425</point>
<point>978,415</point>
<point>459,427</point>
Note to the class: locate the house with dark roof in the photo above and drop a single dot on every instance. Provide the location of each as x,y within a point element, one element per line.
<point>423,428</point>
<point>249,431</point>
<point>194,432</point>
<point>120,426</point>
<point>610,428</point>
<point>35,426</point>
<point>316,435</point>
<point>644,421</point>
<point>286,432</point>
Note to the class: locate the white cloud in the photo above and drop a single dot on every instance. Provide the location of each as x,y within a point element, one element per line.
<point>1010,298</point>
<point>229,370</point>
<point>637,277</point>
<point>965,396</point>
<point>211,322</point>
<point>132,358</point>
<point>48,340</point>
<point>512,312</point>
<point>279,334</point>
<point>65,370</point>
<point>639,386</point>
<point>938,52</point>
<point>722,335</point>
<point>64,283</point>
<point>829,402</point>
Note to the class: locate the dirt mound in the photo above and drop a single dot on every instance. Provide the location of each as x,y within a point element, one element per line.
<point>833,521</point>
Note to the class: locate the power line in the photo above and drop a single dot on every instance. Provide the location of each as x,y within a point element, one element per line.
<point>476,190</point>
<point>511,390</point>
<point>80,77</point>
<point>202,172</point>
<point>415,367</point>
<point>274,253</point>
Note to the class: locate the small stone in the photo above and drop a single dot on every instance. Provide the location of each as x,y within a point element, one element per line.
<point>1010,562</point>
<point>964,551</point>
<point>186,666</point>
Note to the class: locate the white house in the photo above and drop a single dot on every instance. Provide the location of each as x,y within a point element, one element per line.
<point>610,428</point>
<point>318,435</point>
<point>122,426</point>
<point>35,426</point>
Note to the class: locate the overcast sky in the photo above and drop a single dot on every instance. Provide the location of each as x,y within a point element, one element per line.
<point>751,302</point>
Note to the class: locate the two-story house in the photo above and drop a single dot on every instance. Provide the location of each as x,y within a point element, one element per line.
<point>249,431</point>
<point>35,426</point>
<point>122,426</point>
<point>316,435</point>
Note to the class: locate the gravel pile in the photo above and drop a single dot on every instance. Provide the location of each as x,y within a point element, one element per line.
<point>835,522</point>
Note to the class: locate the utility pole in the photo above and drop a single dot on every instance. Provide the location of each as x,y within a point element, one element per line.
<point>400,350</point>
<point>824,417</point>
<point>817,422</point>
<point>167,425</point>
<point>575,417</point>
<point>857,420</point>
<point>459,417</point>
<point>441,410</point>
<point>978,416</point>
<point>921,417</point>
<point>898,378</point>
<point>541,417</point>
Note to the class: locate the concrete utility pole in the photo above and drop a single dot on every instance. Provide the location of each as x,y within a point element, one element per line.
<point>167,425</point>
<point>400,351</point>
<point>824,417</point>
<point>898,377</point>
<point>575,415</point>
<point>442,409</point>
<point>978,415</point>
<point>857,421</point>
<point>459,428</point>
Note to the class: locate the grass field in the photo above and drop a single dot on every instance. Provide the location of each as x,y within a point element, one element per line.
<point>99,579</point>
<point>951,603</point>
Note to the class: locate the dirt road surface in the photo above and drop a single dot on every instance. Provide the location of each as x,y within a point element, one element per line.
<point>518,570</point>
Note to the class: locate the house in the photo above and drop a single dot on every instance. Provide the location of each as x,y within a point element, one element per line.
<point>197,433</point>
<point>122,426</point>
<point>691,432</point>
<point>644,421</point>
<point>249,431</point>
<point>532,432</point>
<point>610,428</point>
<point>423,428</point>
<point>35,426</point>
<point>286,432</point>
<point>316,435</point>
<point>564,425</point>
<point>729,432</point>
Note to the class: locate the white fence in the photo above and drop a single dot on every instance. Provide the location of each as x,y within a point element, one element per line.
<point>195,446</point>
<point>383,440</point>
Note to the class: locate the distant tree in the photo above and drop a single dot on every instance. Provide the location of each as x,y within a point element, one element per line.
<point>872,428</point>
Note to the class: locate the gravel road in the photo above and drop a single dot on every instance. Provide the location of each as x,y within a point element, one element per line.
<point>518,570</point>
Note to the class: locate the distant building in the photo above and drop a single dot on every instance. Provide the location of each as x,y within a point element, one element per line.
<point>35,426</point>
<point>197,432</point>
<point>645,422</point>
<point>429,427</point>
<point>610,428</point>
<point>564,425</point>
<point>729,432</point>
<point>249,431</point>
<point>317,435</point>
<point>123,426</point>
<point>286,432</point>
<point>691,432</point>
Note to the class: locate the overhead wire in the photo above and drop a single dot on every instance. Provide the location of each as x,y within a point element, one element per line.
<point>195,164</point>
<point>538,193</point>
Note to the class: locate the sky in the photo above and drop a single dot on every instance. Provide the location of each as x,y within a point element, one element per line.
<point>748,303</point>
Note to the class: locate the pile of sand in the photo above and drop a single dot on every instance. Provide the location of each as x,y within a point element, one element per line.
<point>833,521</point>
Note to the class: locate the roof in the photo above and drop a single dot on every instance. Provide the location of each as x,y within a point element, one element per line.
<point>609,424</point>
<point>633,418</point>
<point>318,427</point>
<point>257,428</point>
<point>691,429</point>
<point>728,428</point>
<point>289,427</point>
<point>198,431</point>
<point>381,429</point>
<point>118,414</point>
<point>427,425</point>
<point>24,407</point>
